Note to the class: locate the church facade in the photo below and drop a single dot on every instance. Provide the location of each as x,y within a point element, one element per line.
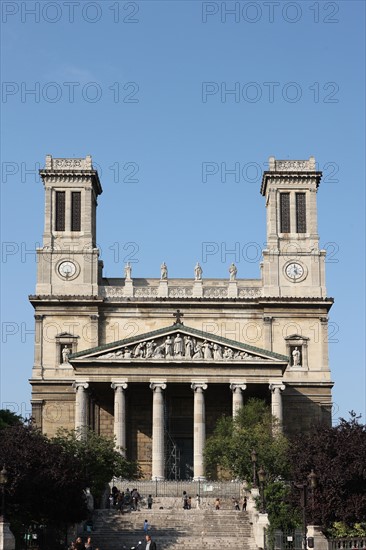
<point>155,362</point>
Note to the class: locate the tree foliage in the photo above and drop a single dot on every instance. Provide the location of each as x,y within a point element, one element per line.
<point>45,483</point>
<point>47,477</point>
<point>338,457</point>
<point>229,451</point>
<point>8,418</point>
<point>336,454</point>
<point>229,448</point>
<point>99,458</point>
<point>279,506</point>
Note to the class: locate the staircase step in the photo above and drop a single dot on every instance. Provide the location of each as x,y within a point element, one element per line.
<point>174,528</point>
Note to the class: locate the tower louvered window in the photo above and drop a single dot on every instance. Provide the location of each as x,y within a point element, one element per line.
<point>285,213</point>
<point>60,211</point>
<point>75,211</point>
<point>300,213</point>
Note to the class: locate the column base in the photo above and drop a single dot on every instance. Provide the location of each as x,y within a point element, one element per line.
<point>260,524</point>
<point>320,541</point>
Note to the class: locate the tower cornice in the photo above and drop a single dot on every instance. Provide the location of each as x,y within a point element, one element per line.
<point>290,170</point>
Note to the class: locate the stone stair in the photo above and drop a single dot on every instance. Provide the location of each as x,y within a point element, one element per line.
<point>173,528</point>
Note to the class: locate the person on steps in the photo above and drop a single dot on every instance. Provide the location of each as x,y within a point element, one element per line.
<point>150,544</point>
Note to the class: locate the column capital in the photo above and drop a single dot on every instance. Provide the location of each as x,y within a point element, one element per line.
<point>273,386</point>
<point>156,385</point>
<point>123,384</point>
<point>238,386</point>
<point>76,385</point>
<point>198,386</point>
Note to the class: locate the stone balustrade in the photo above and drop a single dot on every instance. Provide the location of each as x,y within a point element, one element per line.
<point>68,163</point>
<point>207,289</point>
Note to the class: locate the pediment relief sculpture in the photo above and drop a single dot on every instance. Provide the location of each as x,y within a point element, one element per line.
<point>179,347</point>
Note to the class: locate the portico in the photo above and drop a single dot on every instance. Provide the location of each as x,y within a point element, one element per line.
<point>182,396</point>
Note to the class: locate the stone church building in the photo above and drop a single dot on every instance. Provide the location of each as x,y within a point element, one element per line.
<point>156,362</point>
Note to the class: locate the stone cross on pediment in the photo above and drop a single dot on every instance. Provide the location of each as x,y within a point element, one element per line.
<point>178,317</point>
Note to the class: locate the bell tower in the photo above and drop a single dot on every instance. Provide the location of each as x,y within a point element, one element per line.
<point>293,265</point>
<point>68,259</point>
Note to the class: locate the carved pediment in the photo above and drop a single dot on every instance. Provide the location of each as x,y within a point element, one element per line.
<point>297,337</point>
<point>178,346</point>
<point>178,343</point>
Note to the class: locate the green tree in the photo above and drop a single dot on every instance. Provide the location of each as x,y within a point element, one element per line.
<point>228,452</point>
<point>8,418</point>
<point>45,482</point>
<point>99,458</point>
<point>229,449</point>
<point>282,513</point>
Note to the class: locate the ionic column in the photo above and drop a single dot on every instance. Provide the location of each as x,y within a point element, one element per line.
<point>237,390</point>
<point>81,407</point>
<point>120,416</point>
<point>158,430</point>
<point>276,389</point>
<point>199,429</point>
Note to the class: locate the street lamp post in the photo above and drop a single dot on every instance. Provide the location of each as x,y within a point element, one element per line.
<point>262,478</point>
<point>254,462</point>
<point>312,481</point>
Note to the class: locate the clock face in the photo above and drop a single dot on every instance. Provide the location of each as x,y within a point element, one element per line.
<point>294,271</point>
<point>67,269</point>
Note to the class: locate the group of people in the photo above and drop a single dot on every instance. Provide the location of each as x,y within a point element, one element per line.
<point>237,505</point>
<point>235,502</point>
<point>125,499</point>
<point>187,501</point>
<point>78,544</point>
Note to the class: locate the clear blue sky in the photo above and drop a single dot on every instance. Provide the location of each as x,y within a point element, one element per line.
<point>123,81</point>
